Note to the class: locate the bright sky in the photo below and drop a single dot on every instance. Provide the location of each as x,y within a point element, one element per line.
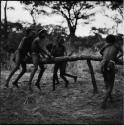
<point>82,29</point>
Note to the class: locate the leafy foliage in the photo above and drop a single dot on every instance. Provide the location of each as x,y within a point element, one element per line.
<point>72,11</point>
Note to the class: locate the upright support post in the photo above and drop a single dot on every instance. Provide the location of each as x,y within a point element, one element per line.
<point>92,76</point>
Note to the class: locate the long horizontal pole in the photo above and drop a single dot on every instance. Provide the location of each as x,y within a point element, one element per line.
<point>76,58</point>
<point>73,58</point>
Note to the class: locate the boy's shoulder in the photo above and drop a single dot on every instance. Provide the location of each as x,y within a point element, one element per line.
<point>24,38</point>
<point>63,46</point>
<point>106,45</point>
<point>36,39</point>
<point>117,45</point>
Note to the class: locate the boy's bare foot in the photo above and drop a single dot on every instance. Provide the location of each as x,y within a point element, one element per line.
<point>15,84</point>
<point>38,86</point>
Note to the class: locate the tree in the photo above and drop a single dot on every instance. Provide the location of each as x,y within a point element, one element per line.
<point>14,26</point>
<point>34,10</point>
<point>72,11</point>
<point>118,17</point>
<point>117,5</point>
<point>14,37</point>
<point>5,19</point>
<point>103,31</point>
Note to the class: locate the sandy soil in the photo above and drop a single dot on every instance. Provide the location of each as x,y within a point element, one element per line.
<point>75,105</point>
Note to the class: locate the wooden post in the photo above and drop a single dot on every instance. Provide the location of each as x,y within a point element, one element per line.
<point>92,76</point>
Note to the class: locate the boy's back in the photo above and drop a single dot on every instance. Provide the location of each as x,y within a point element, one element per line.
<point>25,45</point>
<point>110,52</point>
<point>35,45</point>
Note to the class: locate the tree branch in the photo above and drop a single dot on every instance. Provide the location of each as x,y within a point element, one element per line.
<point>121,12</point>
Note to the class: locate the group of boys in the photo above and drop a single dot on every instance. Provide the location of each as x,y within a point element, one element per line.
<point>31,45</point>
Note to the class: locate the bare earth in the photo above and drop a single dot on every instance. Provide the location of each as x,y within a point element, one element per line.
<point>75,105</point>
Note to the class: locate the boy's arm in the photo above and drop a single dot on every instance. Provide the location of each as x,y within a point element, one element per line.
<point>71,53</point>
<point>120,51</point>
<point>43,53</point>
<point>101,51</point>
<point>53,51</point>
<point>21,43</point>
<point>65,52</point>
<point>120,55</point>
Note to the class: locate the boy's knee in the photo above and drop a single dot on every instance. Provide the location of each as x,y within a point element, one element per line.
<point>42,68</point>
<point>24,70</point>
<point>54,75</point>
<point>62,75</point>
<point>35,68</point>
<point>16,67</point>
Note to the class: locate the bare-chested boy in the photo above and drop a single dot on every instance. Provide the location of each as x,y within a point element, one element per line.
<point>109,53</point>
<point>57,51</point>
<point>19,58</point>
<point>36,51</point>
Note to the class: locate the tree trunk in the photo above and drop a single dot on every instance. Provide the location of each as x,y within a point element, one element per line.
<point>72,30</point>
<point>72,33</point>
<point>34,22</point>
<point>5,19</point>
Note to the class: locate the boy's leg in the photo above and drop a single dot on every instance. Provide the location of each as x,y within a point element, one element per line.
<point>72,76</point>
<point>42,69</point>
<point>62,74</point>
<point>64,64</point>
<point>111,81</point>
<point>55,77</point>
<point>109,77</point>
<point>35,59</point>
<point>56,73</point>
<point>23,64</point>
<point>17,64</point>
<point>105,76</point>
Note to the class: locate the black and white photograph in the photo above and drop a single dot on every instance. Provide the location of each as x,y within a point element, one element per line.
<point>61,62</point>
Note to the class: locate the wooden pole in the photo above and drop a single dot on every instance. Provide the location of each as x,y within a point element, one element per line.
<point>73,58</point>
<point>92,76</point>
<point>89,58</point>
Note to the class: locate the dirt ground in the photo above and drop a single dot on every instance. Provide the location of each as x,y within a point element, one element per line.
<point>75,105</point>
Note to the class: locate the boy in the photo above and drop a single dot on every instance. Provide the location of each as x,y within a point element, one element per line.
<point>109,53</point>
<point>58,51</point>
<point>20,56</point>
<point>36,50</point>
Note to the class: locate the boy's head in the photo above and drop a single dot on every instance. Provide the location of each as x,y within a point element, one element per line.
<point>30,32</point>
<point>42,33</point>
<point>110,39</point>
<point>61,41</point>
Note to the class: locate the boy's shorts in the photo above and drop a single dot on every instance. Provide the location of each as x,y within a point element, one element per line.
<point>108,66</point>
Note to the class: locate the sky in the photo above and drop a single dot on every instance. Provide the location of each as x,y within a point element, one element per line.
<point>82,29</point>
